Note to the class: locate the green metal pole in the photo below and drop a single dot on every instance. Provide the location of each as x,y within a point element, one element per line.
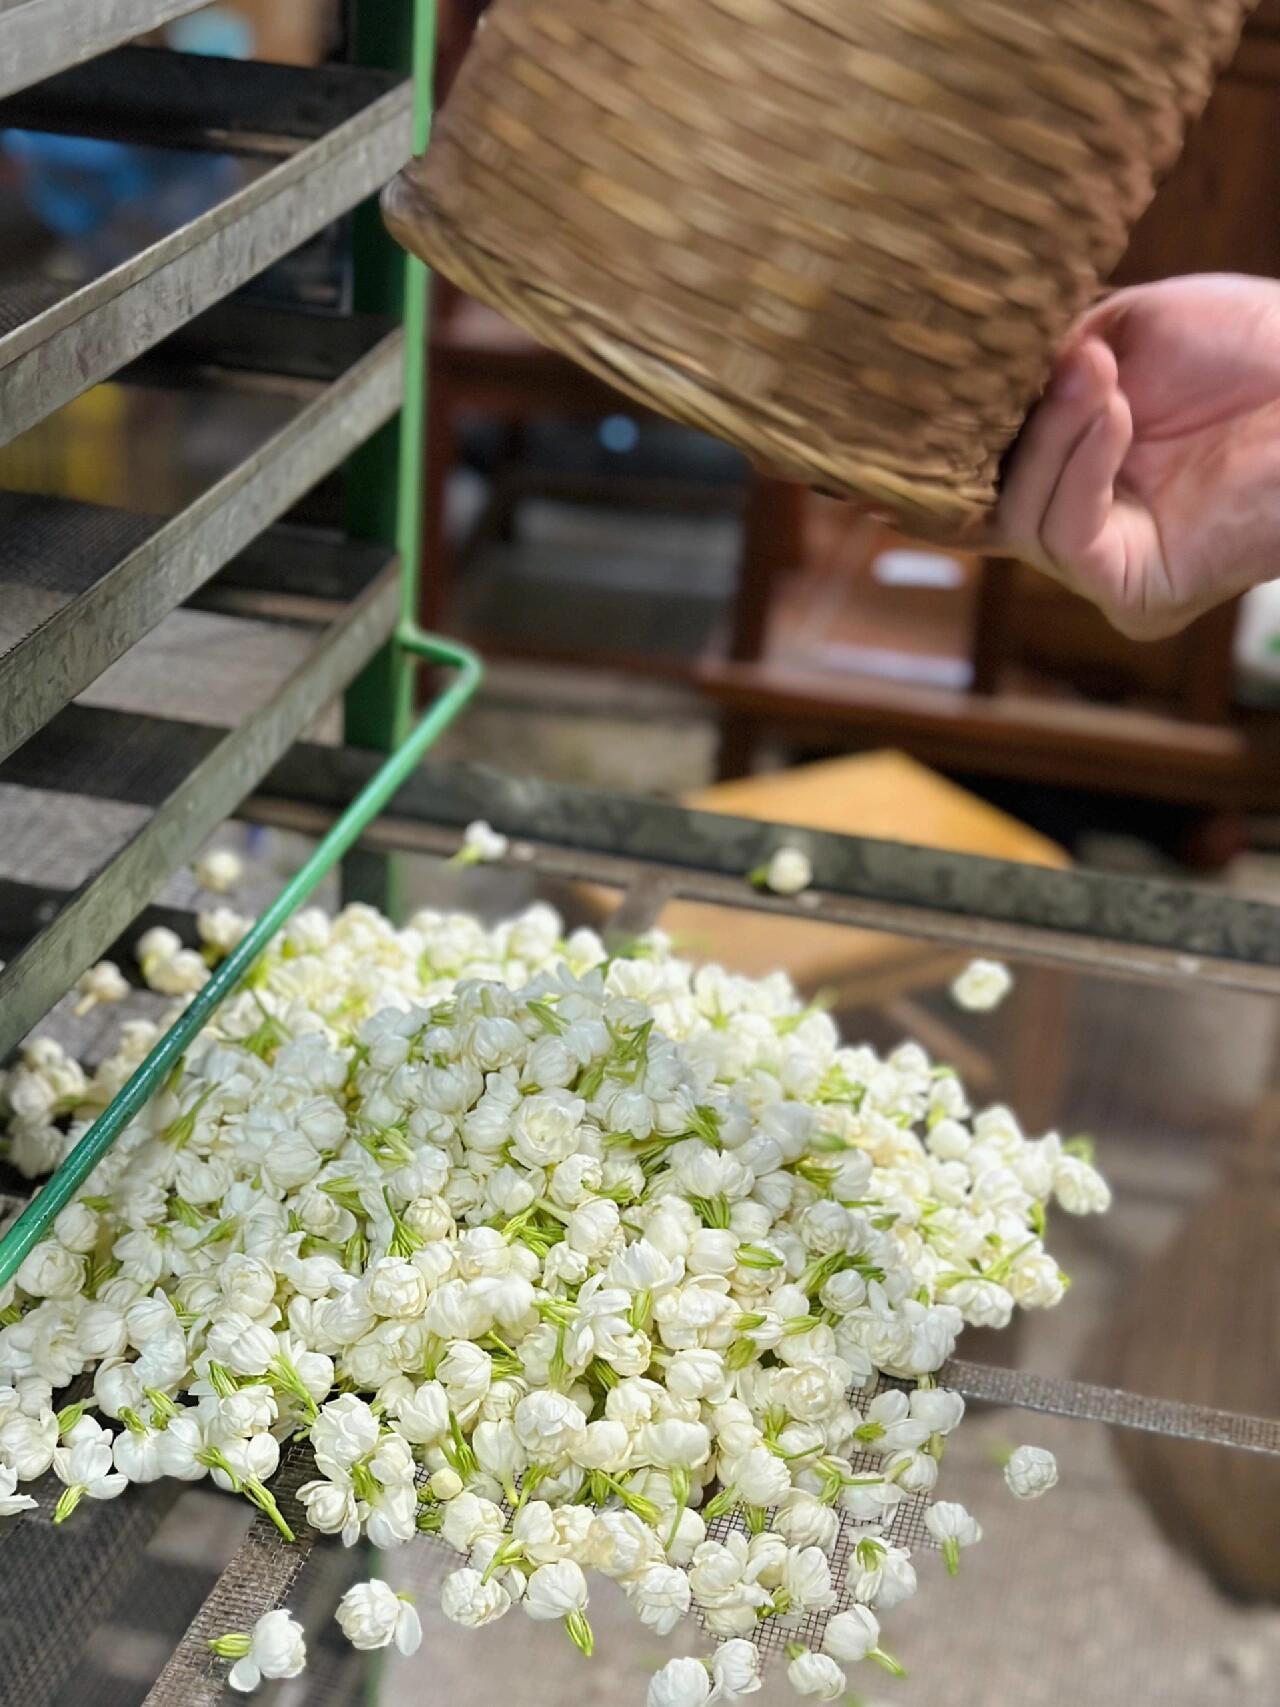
<point>385,476</point>
<point>413,415</point>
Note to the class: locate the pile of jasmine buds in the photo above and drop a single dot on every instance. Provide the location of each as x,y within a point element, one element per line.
<point>588,1264</point>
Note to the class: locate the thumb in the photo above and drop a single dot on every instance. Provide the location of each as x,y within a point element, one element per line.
<point>1075,520</point>
<point>1082,390</point>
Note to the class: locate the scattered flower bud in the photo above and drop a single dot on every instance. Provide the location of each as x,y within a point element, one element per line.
<point>735,1668</point>
<point>101,983</point>
<point>787,873</point>
<point>680,1683</point>
<point>273,1648</point>
<point>952,1528</point>
<point>816,1674</point>
<point>1030,1472</point>
<point>221,929</point>
<point>481,844</point>
<point>218,870</point>
<point>373,1615</point>
<point>982,986</point>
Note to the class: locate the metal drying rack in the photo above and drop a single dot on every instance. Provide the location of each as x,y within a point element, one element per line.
<point>87,583</point>
<point>90,582</point>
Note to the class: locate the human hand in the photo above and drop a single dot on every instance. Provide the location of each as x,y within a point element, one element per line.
<point>1148,478</point>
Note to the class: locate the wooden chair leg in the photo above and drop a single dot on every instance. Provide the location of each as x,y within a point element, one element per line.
<point>1212,840</point>
<point>992,636</point>
<point>511,456</point>
<point>739,736</point>
<point>772,542</point>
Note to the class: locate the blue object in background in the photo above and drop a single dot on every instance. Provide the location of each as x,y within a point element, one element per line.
<point>619,433</point>
<point>77,187</point>
<point>215,31</point>
<point>106,200</point>
<point>74,183</point>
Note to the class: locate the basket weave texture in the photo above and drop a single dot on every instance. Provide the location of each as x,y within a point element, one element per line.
<point>845,235</point>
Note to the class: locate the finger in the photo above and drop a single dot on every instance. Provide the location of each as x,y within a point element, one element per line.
<point>1106,319</point>
<point>1081,389</point>
<point>1082,503</point>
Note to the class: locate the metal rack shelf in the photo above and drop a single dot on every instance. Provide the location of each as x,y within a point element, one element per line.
<point>187,777</point>
<point>25,907</point>
<point>231,411</point>
<point>83,583</point>
<point>1142,929</point>
<point>157,96</point>
<point>55,342</point>
<point>39,37</point>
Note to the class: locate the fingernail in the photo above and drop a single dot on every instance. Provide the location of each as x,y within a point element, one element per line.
<point>1069,384</point>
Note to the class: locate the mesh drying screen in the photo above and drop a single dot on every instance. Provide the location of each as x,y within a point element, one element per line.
<point>904,1528</point>
<point>60,1583</point>
<point>90,1610</point>
<point>117,1607</point>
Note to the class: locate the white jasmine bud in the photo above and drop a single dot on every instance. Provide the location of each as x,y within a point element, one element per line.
<point>101,983</point>
<point>982,985</point>
<point>372,1615</point>
<point>816,1674</point>
<point>1030,1472</point>
<point>218,870</point>
<point>787,872</point>
<point>952,1528</point>
<point>273,1648</point>
<point>466,1599</point>
<point>680,1683</point>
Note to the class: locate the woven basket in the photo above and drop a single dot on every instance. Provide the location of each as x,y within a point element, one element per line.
<point>845,235</point>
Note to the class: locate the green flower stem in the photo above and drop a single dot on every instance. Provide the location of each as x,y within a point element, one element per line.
<point>679,1479</point>
<point>580,1633</point>
<point>68,1500</point>
<point>721,1505</point>
<point>163,1409</point>
<point>261,1496</point>
<point>222,1380</point>
<point>507,1554</point>
<point>886,1662</point>
<point>285,1376</point>
<point>459,1454</point>
<point>643,1508</point>
<point>755,1256</point>
<point>69,1416</point>
<point>366,1484</point>
<point>233,1646</point>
